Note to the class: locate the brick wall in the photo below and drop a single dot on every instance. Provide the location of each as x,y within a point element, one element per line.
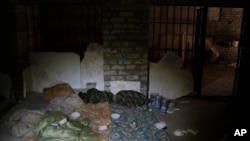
<point>125,27</point>
<point>226,29</point>
<point>228,54</point>
<point>134,68</point>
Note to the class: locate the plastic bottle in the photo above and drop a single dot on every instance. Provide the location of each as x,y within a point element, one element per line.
<point>123,57</point>
<point>158,101</point>
<point>164,105</point>
<point>152,99</point>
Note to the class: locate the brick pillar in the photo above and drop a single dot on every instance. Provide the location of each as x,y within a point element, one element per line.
<point>125,27</point>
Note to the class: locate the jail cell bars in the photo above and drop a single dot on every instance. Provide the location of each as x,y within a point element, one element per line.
<point>61,27</point>
<point>171,28</point>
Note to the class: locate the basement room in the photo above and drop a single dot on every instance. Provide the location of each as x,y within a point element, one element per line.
<point>128,70</point>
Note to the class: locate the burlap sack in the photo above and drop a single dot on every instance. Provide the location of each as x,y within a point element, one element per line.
<point>62,89</point>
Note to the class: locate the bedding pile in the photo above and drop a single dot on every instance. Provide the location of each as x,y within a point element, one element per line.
<point>42,124</point>
<point>36,119</point>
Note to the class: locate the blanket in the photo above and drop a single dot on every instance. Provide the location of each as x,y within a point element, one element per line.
<point>61,89</point>
<point>50,129</point>
<point>135,124</point>
<point>99,114</point>
<point>65,104</point>
<point>24,122</point>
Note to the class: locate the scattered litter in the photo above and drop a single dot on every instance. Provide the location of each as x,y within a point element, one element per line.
<point>172,109</point>
<point>160,125</point>
<point>184,102</point>
<point>194,132</point>
<point>171,104</point>
<point>181,132</point>
<point>134,125</point>
<point>178,132</point>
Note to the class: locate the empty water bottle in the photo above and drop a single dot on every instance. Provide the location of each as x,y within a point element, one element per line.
<point>158,101</point>
<point>153,99</point>
<point>164,105</point>
<point>123,57</point>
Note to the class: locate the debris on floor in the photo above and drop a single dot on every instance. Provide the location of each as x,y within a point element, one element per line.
<point>171,110</point>
<point>172,106</point>
<point>194,132</point>
<point>178,132</point>
<point>184,102</point>
<point>181,132</point>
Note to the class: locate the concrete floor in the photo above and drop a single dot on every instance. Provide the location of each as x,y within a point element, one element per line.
<point>217,80</point>
<point>206,118</point>
<point>213,116</point>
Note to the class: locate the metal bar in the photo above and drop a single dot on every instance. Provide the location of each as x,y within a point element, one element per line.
<point>166,28</point>
<point>180,34</point>
<point>202,45</point>
<point>34,27</point>
<point>173,29</point>
<point>159,52</point>
<point>101,37</point>
<point>81,29</point>
<point>192,45</point>
<point>187,18</point>
<point>74,26</point>
<point>27,27</point>
<point>242,37</point>
<point>187,51</point>
<point>153,26</point>
<point>95,23</point>
<point>68,26</point>
<point>88,23</point>
<point>187,28</point>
